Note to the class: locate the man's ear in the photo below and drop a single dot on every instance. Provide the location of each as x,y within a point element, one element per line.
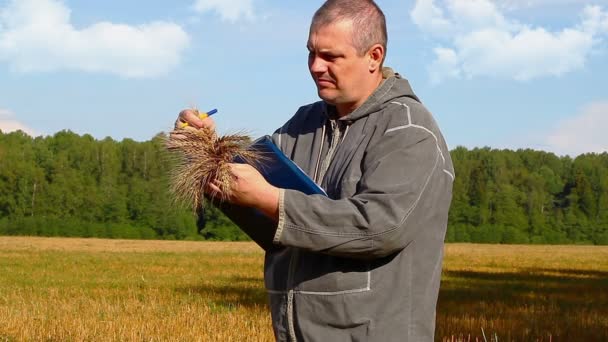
<point>376,56</point>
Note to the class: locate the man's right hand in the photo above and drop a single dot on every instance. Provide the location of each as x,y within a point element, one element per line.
<point>190,118</point>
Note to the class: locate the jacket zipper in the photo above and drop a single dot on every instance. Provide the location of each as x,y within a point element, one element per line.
<point>295,256</point>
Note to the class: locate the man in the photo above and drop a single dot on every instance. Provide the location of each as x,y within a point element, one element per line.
<point>363,263</point>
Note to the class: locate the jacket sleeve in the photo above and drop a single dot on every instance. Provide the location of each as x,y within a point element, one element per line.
<point>258,227</point>
<point>377,220</point>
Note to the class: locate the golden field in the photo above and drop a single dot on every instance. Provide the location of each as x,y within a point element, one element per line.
<point>60,289</point>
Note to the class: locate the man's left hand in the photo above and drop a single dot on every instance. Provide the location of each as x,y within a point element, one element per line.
<point>250,189</point>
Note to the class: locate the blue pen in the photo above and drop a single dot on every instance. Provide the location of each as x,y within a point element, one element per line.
<point>203,116</point>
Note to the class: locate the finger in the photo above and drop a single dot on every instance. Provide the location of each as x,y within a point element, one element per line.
<point>219,191</point>
<point>181,122</point>
<point>236,171</point>
<point>216,184</point>
<point>208,123</point>
<point>213,190</point>
<point>188,117</point>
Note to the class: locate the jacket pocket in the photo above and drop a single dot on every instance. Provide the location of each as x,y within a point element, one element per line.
<point>322,274</point>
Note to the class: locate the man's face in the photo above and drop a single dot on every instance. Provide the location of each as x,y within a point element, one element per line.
<point>338,70</point>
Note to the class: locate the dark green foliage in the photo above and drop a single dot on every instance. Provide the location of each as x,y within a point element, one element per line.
<point>526,196</point>
<point>71,185</point>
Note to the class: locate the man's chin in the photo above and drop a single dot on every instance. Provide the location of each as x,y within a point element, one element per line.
<point>327,96</point>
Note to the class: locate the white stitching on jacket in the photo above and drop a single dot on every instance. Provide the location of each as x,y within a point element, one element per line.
<point>410,124</point>
<point>281,224</point>
<point>368,287</point>
<point>316,174</point>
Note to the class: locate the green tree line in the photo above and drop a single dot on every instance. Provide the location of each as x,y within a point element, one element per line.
<point>73,185</point>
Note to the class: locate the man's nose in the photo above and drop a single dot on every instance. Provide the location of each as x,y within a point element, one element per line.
<point>317,65</point>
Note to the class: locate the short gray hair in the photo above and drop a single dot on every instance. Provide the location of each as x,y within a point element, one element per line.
<point>369,23</point>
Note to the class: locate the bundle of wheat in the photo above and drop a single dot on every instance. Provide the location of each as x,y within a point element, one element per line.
<point>203,158</point>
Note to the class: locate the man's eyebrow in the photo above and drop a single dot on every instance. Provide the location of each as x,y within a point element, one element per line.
<point>330,52</point>
<point>326,51</point>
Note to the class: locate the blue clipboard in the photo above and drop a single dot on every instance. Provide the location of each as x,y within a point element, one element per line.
<point>279,170</point>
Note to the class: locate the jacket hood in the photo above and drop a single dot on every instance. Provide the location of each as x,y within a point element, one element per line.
<point>392,87</point>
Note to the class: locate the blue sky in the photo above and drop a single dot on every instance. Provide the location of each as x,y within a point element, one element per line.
<point>499,73</point>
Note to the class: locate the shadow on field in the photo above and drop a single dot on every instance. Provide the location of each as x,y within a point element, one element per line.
<point>569,304</point>
<point>535,274</point>
<point>564,287</point>
<point>231,292</point>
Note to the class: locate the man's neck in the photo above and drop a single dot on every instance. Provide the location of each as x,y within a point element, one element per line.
<point>344,109</point>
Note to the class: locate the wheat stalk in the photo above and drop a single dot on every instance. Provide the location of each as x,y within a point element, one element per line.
<point>203,159</point>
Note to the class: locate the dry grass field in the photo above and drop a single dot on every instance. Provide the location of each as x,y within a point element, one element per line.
<point>55,289</point>
<point>524,293</point>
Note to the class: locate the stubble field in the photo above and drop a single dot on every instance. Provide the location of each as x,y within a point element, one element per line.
<point>54,289</point>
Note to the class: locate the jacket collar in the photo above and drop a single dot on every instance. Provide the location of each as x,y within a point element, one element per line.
<point>392,87</point>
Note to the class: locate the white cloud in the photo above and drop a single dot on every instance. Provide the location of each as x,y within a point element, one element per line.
<point>446,64</point>
<point>595,20</point>
<point>37,35</point>
<point>430,18</point>
<point>229,10</point>
<point>511,5</point>
<point>482,41</point>
<point>584,132</point>
<point>9,124</point>
<point>476,14</point>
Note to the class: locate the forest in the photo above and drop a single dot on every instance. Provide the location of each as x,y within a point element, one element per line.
<point>77,186</point>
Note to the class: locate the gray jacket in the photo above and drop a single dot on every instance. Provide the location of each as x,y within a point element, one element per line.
<point>364,263</point>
